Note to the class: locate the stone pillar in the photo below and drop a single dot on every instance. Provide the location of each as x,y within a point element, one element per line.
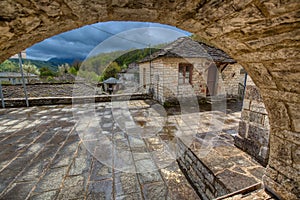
<point>253,133</point>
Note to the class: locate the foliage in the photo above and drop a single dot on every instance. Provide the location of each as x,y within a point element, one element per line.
<point>8,66</point>
<point>72,70</point>
<point>88,76</point>
<point>100,62</point>
<point>46,72</point>
<point>136,55</point>
<point>63,69</point>
<point>50,79</point>
<point>111,71</point>
<point>5,82</point>
<point>76,65</point>
<point>94,68</point>
<point>67,69</point>
<point>29,68</point>
<point>38,63</point>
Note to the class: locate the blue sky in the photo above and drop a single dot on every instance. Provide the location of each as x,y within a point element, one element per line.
<point>103,37</point>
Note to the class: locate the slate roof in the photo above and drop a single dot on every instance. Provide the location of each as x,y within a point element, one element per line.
<point>111,80</point>
<point>15,75</point>
<point>185,47</point>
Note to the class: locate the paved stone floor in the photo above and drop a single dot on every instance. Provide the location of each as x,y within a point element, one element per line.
<point>43,157</point>
<point>47,152</point>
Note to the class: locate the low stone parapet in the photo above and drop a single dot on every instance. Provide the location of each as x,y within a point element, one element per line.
<point>40,101</point>
<point>224,170</point>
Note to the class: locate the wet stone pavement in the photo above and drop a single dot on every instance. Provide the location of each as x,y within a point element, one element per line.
<point>99,151</point>
<point>44,156</point>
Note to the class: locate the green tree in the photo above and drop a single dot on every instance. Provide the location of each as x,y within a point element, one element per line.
<point>72,70</point>
<point>45,72</point>
<point>111,71</point>
<point>88,76</point>
<point>63,69</point>
<point>29,68</point>
<point>8,66</point>
<point>76,65</point>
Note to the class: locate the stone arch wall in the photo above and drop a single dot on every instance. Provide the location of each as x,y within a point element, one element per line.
<point>263,36</point>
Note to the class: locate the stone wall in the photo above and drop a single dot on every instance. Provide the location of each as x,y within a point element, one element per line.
<point>262,36</point>
<point>224,170</point>
<point>233,77</point>
<point>50,90</point>
<point>201,177</point>
<point>164,76</point>
<point>40,101</point>
<point>165,79</point>
<point>254,128</point>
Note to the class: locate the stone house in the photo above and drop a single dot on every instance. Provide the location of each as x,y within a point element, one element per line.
<point>187,68</point>
<point>130,74</point>
<point>129,78</point>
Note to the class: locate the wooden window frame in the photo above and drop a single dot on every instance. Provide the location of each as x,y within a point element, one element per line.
<point>184,66</point>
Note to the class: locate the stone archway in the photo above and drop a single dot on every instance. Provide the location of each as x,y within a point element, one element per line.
<point>262,36</point>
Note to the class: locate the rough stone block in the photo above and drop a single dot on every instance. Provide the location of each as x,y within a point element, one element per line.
<point>200,175</point>
<point>252,93</point>
<point>294,111</point>
<point>246,104</point>
<point>258,106</point>
<point>278,114</point>
<point>264,152</point>
<point>238,141</point>
<point>257,134</point>
<point>281,149</point>
<point>266,122</point>
<point>296,125</point>
<point>209,194</point>
<point>220,189</point>
<point>278,190</point>
<point>245,115</point>
<point>231,178</point>
<point>293,137</point>
<point>155,190</point>
<point>210,186</point>
<point>201,184</point>
<point>290,86</point>
<point>296,156</point>
<point>252,148</point>
<point>243,129</point>
<point>256,117</point>
<point>284,168</point>
<point>99,190</point>
<point>272,173</point>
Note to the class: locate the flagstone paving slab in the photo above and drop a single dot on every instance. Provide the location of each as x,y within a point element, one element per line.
<point>43,157</point>
<point>46,152</point>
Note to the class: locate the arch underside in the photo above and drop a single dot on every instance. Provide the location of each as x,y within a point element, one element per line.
<point>262,36</point>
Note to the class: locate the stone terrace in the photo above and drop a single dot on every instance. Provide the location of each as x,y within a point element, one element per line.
<point>43,155</point>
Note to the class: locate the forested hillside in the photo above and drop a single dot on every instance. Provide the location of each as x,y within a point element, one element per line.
<point>38,63</point>
<point>96,68</point>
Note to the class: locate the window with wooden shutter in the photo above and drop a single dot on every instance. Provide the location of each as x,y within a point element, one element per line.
<point>185,73</point>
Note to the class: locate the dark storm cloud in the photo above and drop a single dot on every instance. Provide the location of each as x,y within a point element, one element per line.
<point>80,42</point>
